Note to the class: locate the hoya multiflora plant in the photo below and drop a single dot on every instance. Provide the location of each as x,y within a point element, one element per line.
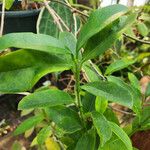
<point>82,120</point>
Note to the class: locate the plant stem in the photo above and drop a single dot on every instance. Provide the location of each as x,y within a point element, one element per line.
<point>2,18</point>
<point>81,6</point>
<point>136,39</point>
<point>77,89</point>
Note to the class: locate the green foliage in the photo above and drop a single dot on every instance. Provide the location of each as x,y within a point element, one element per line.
<point>8,4</point>
<point>147,93</point>
<point>81,120</point>
<point>39,42</point>
<point>134,81</point>
<point>134,93</point>
<point>28,124</point>
<point>142,28</point>
<point>101,104</point>
<point>102,126</point>
<point>87,141</point>
<point>142,122</point>
<point>50,97</point>
<point>65,118</point>
<point>121,135</point>
<point>118,65</point>
<point>44,133</point>
<point>98,20</point>
<point>20,70</point>
<point>110,91</point>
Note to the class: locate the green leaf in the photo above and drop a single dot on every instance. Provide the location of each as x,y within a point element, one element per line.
<point>115,144</point>
<point>98,20</point>
<point>134,81</point>
<point>47,25</point>
<point>142,122</point>
<point>92,71</point>
<point>111,116</point>
<point>28,124</point>
<point>110,91</point>
<point>147,93</point>
<point>88,102</point>
<point>87,141</point>
<point>39,42</point>
<point>103,40</point>
<point>46,98</point>
<point>142,28</point>
<point>69,40</point>
<point>43,135</point>
<point>121,135</point>
<point>65,118</point>
<point>135,94</point>
<point>20,70</point>
<point>118,65</point>
<point>8,4</point>
<point>102,126</point>
<point>101,104</point>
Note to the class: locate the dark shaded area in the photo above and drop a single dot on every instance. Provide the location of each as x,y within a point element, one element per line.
<point>141,140</point>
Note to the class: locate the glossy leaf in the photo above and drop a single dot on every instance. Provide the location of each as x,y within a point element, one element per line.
<point>103,40</point>
<point>69,40</point>
<point>65,118</point>
<point>8,4</point>
<point>142,28</point>
<point>43,134</point>
<point>28,124</point>
<point>118,65</point>
<point>110,91</point>
<point>98,20</point>
<point>102,126</point>
<point>115,144</point>
<point>39,42</point>
<point>87,141</point>
<point>121,135</point>
<point>45,98</point>
<point>20,70</point>
<point>134,81</point>
<point>135,94</point>
<point>100,104</point>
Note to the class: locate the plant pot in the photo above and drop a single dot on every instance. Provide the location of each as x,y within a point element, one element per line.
<point>20,21</point>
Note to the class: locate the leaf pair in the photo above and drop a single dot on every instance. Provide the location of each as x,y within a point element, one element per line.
<point>104,129</point>
<point>53,101</point>
<point>102,29</point>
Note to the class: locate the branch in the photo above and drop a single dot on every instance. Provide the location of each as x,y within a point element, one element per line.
<point>2,18</point>
<point>122,111</point>
<point>136,39</point>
